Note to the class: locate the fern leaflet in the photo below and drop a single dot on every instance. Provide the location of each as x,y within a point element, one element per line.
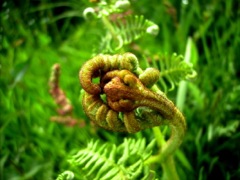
<point>108,161</point>
<point>66,175</point>
<point>172,70</point>
<point>127,30</point>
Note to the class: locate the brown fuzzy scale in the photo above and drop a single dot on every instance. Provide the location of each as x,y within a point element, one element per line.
<point>103,116</point>
<point>126,86</point>
<point>124,94</point>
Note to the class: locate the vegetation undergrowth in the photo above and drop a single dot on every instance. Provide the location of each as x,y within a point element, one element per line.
<point>179,38</point>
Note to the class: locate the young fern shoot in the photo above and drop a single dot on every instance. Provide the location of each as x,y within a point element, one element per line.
<point>127,90</point>
<point>121,27</point>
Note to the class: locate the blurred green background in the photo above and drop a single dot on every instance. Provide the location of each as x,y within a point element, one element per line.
<point>36,34</point>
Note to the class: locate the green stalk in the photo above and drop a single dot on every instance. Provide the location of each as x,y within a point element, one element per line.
<point>168,165</point>
<point>169,169</point>
<point>110,27</point>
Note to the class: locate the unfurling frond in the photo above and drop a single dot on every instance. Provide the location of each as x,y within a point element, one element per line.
<point>126,30</point>
<point>126,89</point>
<point>66,175</point>
<point>174,69</point>
<point>108,161</point>
<point>104,8</point>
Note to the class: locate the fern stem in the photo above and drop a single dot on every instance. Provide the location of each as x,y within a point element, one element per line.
<point>178,127</point>
<point>168,166</point>
<point>160,142</point>
<point>109,26</point>
<point>165,156</point>
<point>159,136</point>
<point>169,170</point>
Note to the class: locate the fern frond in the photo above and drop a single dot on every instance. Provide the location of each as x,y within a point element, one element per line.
<point>66,175</point>
<point>172,70</point>
<point>104,8</point>
<point>126,30</point>
<point>108,161</point>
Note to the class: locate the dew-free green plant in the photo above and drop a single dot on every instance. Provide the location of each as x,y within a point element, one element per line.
<point>108,161</point>
<point>121,29</point>
<point>35,35</point>
<point>126,98</point>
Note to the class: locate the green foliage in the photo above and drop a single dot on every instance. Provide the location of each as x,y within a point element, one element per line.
<point>108,161</point>
<point>66,175</point>
<point>125,31</point>
<point>228,130</point>
<point>172,70</point>
<point>36,34</point>
<point>106,8</point>
<point>121,29</point>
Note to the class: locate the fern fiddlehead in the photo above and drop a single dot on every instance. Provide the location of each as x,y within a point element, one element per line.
<point>127,92</point>
<point>101,64</point>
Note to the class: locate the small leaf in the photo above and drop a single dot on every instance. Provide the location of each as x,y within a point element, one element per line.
<point>173,69</point>
<point>110,174</point>
<point>125,31</point>
<point>125,154</point>
<point>66,175</point>
<point>135,170</point>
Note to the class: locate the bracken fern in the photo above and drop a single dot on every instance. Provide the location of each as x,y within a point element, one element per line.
<point>126,31</point>
<point>108,161</point>
<point>173,69</point>
<point>121,29</point>
<point>66,175</point>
